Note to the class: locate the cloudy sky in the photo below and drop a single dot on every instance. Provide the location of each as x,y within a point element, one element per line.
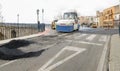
<point>27,8</point>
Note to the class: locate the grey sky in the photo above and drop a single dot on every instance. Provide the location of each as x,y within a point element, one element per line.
<point>27,8</point>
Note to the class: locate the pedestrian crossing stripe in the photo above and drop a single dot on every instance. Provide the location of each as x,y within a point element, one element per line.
<point>103,38</point>
<point>84,42</point>
<point>82,35</point>
<point>88,37</point>
<point>91,37</point>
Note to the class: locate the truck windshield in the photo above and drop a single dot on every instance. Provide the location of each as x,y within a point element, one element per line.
<point>70,15</point>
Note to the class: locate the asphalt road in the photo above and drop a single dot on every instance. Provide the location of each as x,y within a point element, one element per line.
<point>76,51</point>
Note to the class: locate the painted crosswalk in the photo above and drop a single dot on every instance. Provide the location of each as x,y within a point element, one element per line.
<point>91,37</point>
<point>103,38</point>
<point>80,36</point>
<point>88,37</point>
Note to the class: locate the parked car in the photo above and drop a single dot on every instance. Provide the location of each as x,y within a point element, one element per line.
<point>94,25</point>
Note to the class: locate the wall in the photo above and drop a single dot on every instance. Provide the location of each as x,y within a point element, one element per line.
<point>7,32</point>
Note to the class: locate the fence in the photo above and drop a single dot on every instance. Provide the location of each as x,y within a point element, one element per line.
<point>13,30</point>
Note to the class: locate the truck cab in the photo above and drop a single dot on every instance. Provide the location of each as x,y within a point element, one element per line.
<point>68,23</point>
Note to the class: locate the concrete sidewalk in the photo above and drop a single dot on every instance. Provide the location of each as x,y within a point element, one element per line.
<point>114,64</point>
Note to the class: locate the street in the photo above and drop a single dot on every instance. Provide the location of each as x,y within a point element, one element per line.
<point>77,51</point>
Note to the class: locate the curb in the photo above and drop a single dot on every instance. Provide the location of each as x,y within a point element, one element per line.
<point>114,59</point>
<point>103,63</point>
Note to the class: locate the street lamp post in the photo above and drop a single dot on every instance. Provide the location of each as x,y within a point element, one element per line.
<point>37,15</point>
<point>2,19</point>
<point>18,23</point>
<point>119,18</point>
<point>38,20</point>
<point>43,24</point>
<point>42,15</point>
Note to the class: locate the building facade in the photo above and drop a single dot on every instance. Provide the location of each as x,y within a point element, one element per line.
<point>99,18</point>
<point>87,19</point>
<point>116,16</point>
<point>108,17</point>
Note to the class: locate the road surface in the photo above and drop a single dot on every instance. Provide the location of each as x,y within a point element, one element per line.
<point>76,51</point>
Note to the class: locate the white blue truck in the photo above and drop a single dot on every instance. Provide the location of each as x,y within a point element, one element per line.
<point>68,23</point>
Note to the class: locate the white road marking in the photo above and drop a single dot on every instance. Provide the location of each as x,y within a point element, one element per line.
<point>45,66</point>
<point>82,35</point>
<point>49,46</point>
<point>5,64</point>
<point>103,38</point>
<point>102,59</point>
<point>83,42</point>
<point>91,37</point>
<point>90,43</point>
<point>76,36</point>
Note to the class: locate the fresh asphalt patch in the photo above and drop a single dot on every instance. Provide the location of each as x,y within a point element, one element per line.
<point>17,49</point>
<point>16,44</point>
<point>25,55</point>
<point>11,51</point>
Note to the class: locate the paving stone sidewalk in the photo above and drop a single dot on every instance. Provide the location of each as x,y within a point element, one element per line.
<point>114,64</point>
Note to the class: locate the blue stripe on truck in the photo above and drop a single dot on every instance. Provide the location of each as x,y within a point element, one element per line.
<point>62,28</point>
